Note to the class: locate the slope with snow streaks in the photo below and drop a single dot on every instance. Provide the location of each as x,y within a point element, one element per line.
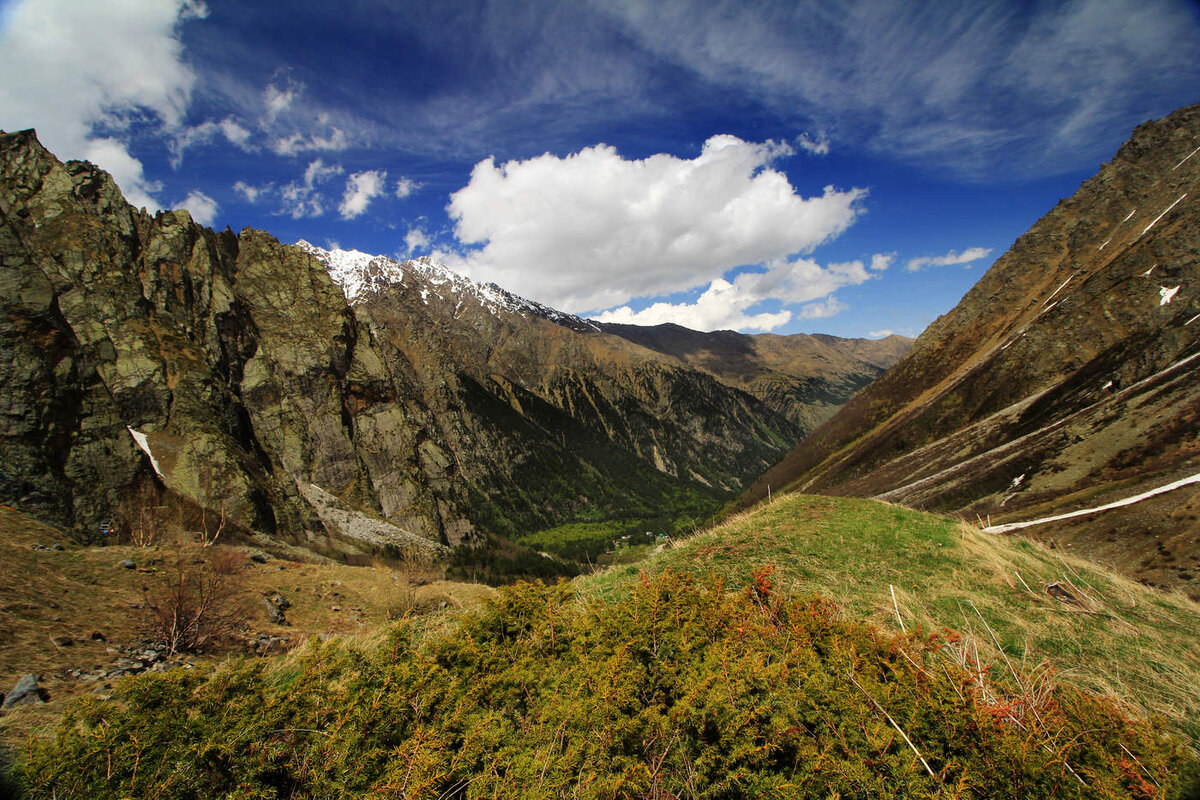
<point>1071,362</point>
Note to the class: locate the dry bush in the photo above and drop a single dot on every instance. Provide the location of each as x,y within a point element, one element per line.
<point>198,601</point>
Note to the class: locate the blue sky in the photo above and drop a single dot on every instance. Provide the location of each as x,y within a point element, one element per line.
<point>849,168</point>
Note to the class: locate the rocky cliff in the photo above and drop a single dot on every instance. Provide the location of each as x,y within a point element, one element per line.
<point>338,406</point>
<point>1064,380</point>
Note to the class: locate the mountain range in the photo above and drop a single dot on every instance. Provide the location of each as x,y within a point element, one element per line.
<point>348,403</point>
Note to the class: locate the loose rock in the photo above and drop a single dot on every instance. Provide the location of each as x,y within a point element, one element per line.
<point>26,692</point>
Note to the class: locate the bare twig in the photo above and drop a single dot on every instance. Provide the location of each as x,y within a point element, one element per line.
<point>896,606</point>
<point>899,730</point>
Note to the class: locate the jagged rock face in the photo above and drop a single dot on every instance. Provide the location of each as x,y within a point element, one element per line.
<point>1065,379</point>
<point>232,371</point>
<point>234,358</point>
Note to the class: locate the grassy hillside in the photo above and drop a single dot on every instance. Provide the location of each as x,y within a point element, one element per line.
<point>1096,629</point>
<point>713,669</point>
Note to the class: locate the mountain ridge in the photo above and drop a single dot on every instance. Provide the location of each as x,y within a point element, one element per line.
<point>1059,382</point>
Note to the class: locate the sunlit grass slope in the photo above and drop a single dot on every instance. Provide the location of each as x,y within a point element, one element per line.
<point>1096,629</point>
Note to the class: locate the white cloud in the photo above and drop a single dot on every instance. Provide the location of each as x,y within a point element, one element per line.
<point>593,230</point>
<point>361,189</point>
<point>405,187</point>
<point>277,99</point>
<point>296,142</point>
<point>817,147</point>
<point>881,261</point>
<point>967,256</point>
<point>883,334</point>
<point>415,239</point>
<point>250,192</point>
<point>318,171</point>
<point>729,305</point>
<point>81,72</point>
<point>126,170</point>
<point>236,133</point>
<point>202,207</point>
<point>301,198</point>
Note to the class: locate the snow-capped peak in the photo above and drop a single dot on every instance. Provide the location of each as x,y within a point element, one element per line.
<point>361,275</point>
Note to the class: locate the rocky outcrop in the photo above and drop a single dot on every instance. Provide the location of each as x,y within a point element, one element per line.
<point>223,368</point>
<point>1064,380</point>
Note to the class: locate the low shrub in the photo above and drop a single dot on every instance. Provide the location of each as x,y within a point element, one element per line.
<point>680,689</point>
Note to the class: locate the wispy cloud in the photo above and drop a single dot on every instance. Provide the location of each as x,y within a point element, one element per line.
<point>975,86</point>
<point>968,256</point>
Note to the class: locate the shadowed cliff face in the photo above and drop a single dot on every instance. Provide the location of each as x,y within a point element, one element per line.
<point>228,370</point>
<point>1063,380</point>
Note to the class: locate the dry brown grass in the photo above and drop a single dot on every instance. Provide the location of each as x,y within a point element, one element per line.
<point>80,590</point>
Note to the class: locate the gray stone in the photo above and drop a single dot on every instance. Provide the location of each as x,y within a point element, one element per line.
<point>26,692</point>
<point>127,564</point>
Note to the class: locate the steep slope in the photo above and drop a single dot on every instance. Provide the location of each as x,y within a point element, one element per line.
<point>148,355</point>
<point>1065,379</point>
<point>805,377</point>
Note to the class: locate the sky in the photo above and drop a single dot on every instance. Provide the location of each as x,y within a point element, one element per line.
<point>850,168</point>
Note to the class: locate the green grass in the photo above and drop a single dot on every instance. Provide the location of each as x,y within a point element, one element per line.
<point>1134,644</point>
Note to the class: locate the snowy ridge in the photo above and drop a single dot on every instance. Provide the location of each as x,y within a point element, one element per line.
<point>361,275</point>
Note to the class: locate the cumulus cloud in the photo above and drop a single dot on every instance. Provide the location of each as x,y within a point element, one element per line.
<point>405,187</point>
<point>202,207</point>
<point>881,261</point>
<point>594,230</point>
<point>730,304</point>
<point>883,334</point>
<point>971,254</point>
<point>361,189</point>
<point>54,76</point>
<point>416,239</point>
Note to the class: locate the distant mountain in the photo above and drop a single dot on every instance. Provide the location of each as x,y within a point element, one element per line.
<point>331,399</point>
<point>1065,379</point>
<point>804,377</point>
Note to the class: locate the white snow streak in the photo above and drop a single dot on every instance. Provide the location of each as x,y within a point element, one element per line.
<point>1101,247</point>
<point>1190,321</point>
<point>1128,501</point>
<point>1106,386</point>
<point>1131,213</point>
<point>1185,158</point>
<point>1059,289</point>
<point>1160,216</point>
<point>1146,274</point>
<point>144,443</point>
